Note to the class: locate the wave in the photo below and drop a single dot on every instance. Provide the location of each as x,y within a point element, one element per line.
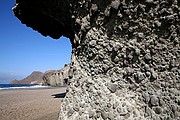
<point>20,86</point>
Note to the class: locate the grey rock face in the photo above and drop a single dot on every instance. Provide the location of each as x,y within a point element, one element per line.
<point>127,58</point>
<point>57,77</point>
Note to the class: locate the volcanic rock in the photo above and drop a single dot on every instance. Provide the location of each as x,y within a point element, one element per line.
<point>148,33</point>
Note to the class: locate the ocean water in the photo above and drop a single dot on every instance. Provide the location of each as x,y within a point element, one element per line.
<point>20,86</point>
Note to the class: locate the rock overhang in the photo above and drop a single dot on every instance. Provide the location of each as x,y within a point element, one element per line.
<point>51,19</point>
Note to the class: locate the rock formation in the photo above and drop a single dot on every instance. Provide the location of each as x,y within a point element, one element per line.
<point>34,78</point>
<point>49,78</point>
<point>125,59</point>
<point>56,77</point>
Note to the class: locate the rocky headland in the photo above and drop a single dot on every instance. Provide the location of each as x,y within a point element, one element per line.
<point>34,78</point>
<point>56,77</point>
<point>125,61</point>
<point>48,78</point>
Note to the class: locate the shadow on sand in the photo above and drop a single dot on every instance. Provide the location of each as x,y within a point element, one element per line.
<point>61,95</point>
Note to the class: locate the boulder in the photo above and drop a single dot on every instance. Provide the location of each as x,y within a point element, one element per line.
<point>147,33</point>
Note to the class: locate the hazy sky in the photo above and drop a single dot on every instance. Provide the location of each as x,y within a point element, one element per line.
<point>23,50</point>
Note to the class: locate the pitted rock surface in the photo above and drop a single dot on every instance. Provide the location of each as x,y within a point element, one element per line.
<point>126,55</point>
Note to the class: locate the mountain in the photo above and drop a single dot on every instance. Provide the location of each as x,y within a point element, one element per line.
<point>15,82</point>
<point>34,78</point>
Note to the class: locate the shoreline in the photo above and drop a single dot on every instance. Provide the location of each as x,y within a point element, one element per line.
<point>38,88</point>
<point>31,104</point>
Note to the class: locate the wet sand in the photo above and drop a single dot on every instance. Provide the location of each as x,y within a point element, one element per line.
<point>31,104</point>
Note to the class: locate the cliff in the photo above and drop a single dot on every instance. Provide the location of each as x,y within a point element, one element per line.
<point>56,77</point>
<point>49,78</point>
<point>126,55</point>
<point>34,78</point>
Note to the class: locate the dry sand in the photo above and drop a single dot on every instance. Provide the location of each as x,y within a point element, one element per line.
<point>31,104</point>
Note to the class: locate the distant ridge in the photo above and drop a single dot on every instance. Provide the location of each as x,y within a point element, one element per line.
<point>34,78</point>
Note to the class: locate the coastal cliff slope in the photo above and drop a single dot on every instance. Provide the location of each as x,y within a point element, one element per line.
<point>34,78</point>
<point>125,60</point>
<point>49,78</point>
<point>56,77</point>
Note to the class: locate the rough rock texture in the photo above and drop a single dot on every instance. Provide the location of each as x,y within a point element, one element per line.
<point>56,77</point>
<point>125,58</point>
<point>34,78</point>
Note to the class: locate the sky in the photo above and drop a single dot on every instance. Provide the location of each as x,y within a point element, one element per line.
<point>23,50</point>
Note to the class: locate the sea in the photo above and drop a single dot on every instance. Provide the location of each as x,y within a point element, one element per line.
<point>20,86</point>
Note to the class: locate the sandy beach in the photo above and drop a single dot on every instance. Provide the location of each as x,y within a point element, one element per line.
<point>31,104</point>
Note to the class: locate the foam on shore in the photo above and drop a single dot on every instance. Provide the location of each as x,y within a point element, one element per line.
<point>23,87</point>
